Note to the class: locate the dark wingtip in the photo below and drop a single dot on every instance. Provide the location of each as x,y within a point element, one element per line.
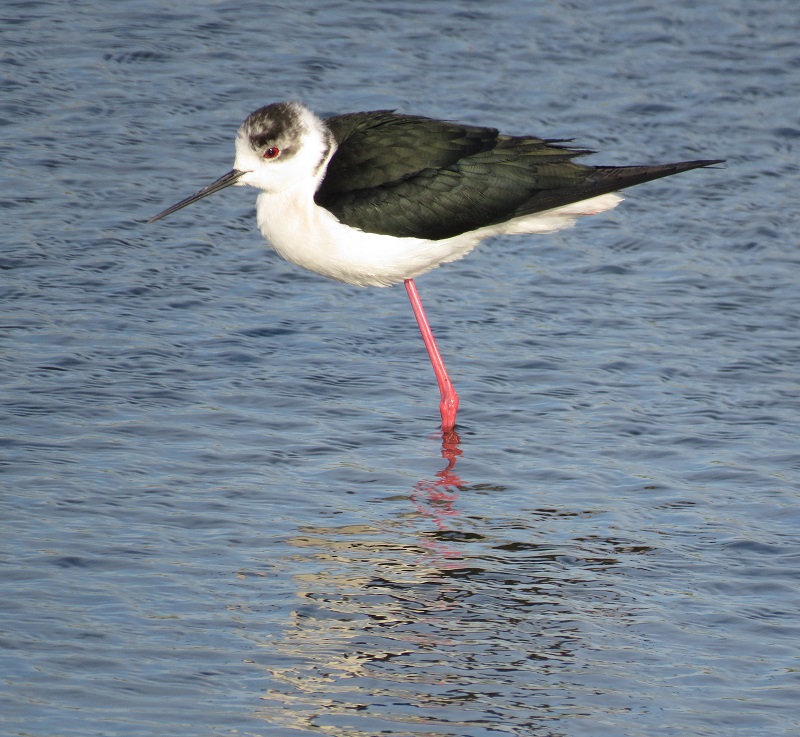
<point>686,165</point>
<point>621,177</point>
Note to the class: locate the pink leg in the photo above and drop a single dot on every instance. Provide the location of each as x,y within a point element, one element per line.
<point>449,404</point>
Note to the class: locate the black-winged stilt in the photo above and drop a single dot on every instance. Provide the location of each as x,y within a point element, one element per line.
<point>377,198</point>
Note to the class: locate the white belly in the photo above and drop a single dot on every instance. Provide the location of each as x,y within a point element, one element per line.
<point>311,237</point>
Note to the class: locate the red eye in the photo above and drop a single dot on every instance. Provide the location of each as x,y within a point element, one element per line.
<point>272,152</point>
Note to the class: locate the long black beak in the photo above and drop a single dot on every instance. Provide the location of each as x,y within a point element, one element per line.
<point>225,180</point>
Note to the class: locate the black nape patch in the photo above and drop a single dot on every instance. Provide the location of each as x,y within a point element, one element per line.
<point>329,142</point>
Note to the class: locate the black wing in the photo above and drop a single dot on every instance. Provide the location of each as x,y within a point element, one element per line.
<point>405,175</point>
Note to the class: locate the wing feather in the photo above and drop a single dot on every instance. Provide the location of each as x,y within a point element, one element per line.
<point>405,175</point>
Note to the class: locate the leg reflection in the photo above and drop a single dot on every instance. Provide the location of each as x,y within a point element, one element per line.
<point>436,498</point>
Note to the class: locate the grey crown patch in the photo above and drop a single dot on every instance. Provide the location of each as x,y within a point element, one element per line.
<point>278,125</point>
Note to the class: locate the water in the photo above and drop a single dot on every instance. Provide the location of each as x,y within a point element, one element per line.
<point>225,505</point>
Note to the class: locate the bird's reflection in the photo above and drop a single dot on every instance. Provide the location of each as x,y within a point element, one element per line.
<point>431,615</point>
<point>379,616</point>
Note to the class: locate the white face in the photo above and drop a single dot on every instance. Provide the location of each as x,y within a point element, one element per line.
<point>282,146</point>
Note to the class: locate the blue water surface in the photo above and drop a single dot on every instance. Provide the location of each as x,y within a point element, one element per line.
<point>226,508</point>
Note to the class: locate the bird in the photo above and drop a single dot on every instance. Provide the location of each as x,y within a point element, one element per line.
<point>377,198</point>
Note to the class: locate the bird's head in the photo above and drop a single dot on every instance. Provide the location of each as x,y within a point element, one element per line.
<point>278,147</point>
<point>282,146</point>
